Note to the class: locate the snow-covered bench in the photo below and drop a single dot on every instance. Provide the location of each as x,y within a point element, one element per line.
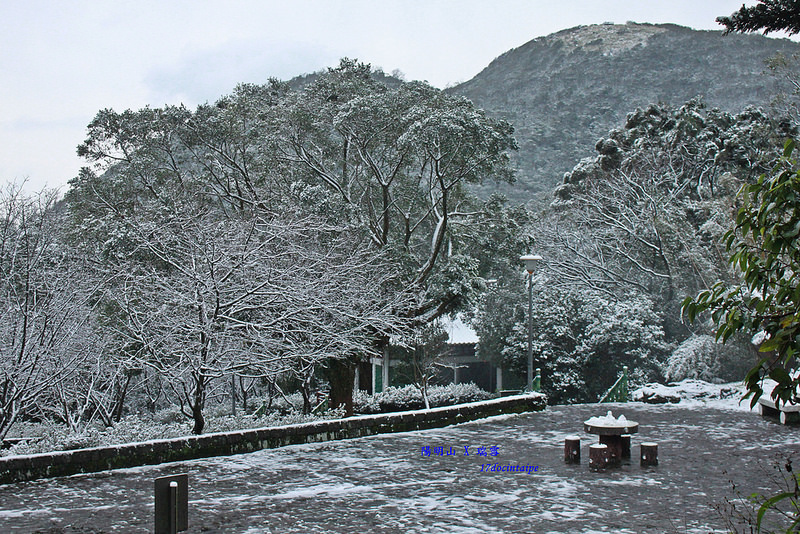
<point>788,413</point>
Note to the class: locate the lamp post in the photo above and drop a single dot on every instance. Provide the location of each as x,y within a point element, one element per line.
<point>530,262</point>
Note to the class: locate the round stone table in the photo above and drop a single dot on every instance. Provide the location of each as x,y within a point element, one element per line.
<point>611,436</point>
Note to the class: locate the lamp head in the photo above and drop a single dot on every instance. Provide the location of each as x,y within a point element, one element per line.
<point>530,262</point>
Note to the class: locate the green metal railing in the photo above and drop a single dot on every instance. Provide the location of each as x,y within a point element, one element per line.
<point>322,406</point>
<point>619,391</point>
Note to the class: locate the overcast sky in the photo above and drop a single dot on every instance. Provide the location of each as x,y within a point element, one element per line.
<point>62,61</point>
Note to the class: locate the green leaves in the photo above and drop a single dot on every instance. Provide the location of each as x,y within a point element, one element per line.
<point>689,308</point>
<point>788,147</point>
<point>770,503</point>
<point>765,248</point>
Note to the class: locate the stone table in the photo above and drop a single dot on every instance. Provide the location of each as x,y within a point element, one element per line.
<point>611,433</point>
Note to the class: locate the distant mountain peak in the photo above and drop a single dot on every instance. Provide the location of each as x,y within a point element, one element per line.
<point>607,38</point>
<point>564,91</point>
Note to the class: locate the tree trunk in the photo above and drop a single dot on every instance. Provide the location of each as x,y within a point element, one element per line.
<point>120,400</point>
<point>199,420</point>
<point>198,404</point>
<point>306,379</point>
<point>245,394</point>
<point>304,391</point>
<point>341,374</point>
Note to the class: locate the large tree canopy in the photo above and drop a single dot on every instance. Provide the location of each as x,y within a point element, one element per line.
<point>302,225</point>
<point>643,215</point>
<point>391,162</point>
<point>397,161</point>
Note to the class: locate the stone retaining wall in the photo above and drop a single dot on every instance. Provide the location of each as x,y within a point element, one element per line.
<point>63,463</point>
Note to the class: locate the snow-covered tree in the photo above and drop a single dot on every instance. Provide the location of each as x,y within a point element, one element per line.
<point>214,282</point>
<point>581,338</point>
<point>398,160</point>
<point>47,302</point>
<point>643,215</point>
<point>387,164</point>
<point>767,15</point>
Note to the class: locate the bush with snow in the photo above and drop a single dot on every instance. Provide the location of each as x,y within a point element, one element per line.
<point>700,357</point>
<point>410,398</point>
<point>697,358</point>
<point>726,396</point>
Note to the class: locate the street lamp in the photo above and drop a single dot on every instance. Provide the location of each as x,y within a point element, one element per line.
<point>530,262</point>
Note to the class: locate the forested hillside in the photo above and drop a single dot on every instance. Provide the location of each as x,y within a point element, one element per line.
<point>564,91</point>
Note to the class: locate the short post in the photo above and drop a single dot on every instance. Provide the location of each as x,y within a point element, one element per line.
<point>598,456</point>
<point>626,445</point>
<point>649,454</point>
<point>572,450</point>
<point>171,504</point>
<point>624,385</point>
<point>614,444</point>
<point>173,507</point>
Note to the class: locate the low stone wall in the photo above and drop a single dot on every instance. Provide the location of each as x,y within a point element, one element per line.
<point>63,463</point>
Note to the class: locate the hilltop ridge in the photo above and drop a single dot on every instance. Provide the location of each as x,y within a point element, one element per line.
<point>565,90</point>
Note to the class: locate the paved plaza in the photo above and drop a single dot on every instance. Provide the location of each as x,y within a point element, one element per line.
<point>388,484</point>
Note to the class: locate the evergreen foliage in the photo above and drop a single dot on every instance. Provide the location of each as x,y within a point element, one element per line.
<point>767,15</point>
<point>764,247</point>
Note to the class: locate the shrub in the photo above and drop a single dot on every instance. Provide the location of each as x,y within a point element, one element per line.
<point>700,357</point>
<point>696,358</point>
<point>410,398</point>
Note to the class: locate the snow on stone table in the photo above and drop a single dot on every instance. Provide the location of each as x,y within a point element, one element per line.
<point>386,483</point>
<point>608,424</point>
<point>611,430</point>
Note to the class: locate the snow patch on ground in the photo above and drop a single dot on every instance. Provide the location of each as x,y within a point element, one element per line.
<point>694,392</point>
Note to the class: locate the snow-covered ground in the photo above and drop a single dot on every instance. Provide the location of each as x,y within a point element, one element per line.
<point>388,483</point>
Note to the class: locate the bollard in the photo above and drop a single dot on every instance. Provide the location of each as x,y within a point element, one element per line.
<point>173,507</point>
<point>572,450</point>
<point>626,445</point>
<point>598,456</point>
<point>649,454</point>
<point>171,504</point>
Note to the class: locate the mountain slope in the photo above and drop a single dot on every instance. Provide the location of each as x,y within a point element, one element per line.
<point>564,91</point>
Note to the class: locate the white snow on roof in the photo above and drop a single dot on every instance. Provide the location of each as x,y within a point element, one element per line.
<point>457,331</point>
